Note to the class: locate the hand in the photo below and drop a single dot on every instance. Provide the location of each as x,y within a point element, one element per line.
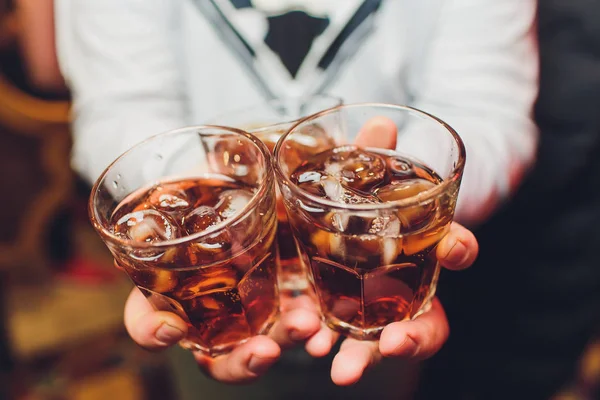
<point>417,339</point>
<point>420,338</point>
<point>157,330</point>
<point>299,321</point>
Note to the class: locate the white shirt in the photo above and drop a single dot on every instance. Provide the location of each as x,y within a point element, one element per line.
<point>141,67</point>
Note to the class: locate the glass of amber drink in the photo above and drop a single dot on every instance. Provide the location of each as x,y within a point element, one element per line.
<point>268,121</point>
<point>367,220</point>
<point>190,216</point>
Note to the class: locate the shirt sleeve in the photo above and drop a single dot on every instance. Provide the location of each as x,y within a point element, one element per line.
<point>480,75</point>
<point>120,61</point>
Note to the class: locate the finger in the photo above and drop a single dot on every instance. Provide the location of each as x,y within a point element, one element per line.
<point>244,364</point>
<point>458,249</point>
<point>295,326</point>
<point>320,344</point>
<point>300,319</point>
<point>352,360</point>
<point>380,132</point>
<point>289,303</point>
<point>153,330</point>
<point>418,339</point>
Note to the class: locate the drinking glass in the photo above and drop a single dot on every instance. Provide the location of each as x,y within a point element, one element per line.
<point>268,121</point>
<point>190,216</point>
<point>367,220</point>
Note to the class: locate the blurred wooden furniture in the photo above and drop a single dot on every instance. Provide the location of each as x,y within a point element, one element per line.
<point>36,179</point>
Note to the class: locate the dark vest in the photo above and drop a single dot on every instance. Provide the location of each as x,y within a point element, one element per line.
<point>522,315</point>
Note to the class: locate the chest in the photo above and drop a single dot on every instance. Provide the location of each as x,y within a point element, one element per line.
<point>235,53</point>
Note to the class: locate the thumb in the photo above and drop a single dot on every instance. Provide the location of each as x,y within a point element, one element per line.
<point>380,132</point>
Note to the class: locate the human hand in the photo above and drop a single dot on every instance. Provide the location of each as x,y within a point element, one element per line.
<point>299,321</point>
<point>158,330</point>
<point>416,339</point>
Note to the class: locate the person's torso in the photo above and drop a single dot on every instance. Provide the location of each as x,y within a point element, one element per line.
<point>236,53</point>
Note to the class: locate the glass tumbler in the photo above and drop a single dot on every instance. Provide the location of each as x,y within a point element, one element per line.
<point>190,216</point>
<point>268,121</point>
<point>367,220</point>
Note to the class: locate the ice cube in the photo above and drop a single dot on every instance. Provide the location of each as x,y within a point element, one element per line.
<point>424,240</point>
<point>351,250</point>
<point>390,248</point>
<point>340,220</point>
<point>338,192</point>
<point>328,244</point>
<point>365,239</point>
<point>236,158</point>
<point>377,225</point>
<point>310,181</point>
<point>232,202</point>
<point>303,143</point>
<point>400,167</point>
<point>169,198</point>
<point>357,168</point>
<point>200,219</point>
<point>147,226</point>
<point>385,225</point>
<point>312,138</point>
<point>211,248</point>
<point>391,243</point>
<point>404,189</point>
<point>310,177</point>
<point>209,280</point>
<point>214,246</point>
<point>414,216</point>
<point>164,281</point>
<point>334,189</point>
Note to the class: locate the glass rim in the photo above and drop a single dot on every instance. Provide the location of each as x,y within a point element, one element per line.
<point>264,184</point>
<point>278,100</point>
<point>417,199</point>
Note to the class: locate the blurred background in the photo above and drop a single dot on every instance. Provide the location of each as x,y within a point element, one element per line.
<point>61,300</point>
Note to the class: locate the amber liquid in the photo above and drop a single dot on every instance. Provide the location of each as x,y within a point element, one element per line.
<point>293,276</point>
<point>369,269</point>
<point>223,285</point>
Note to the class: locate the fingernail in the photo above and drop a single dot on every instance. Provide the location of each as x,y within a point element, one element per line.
<point>407,348</point>
<point>457,254</point>
<point>168,334</point>
<point>258,365</point>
